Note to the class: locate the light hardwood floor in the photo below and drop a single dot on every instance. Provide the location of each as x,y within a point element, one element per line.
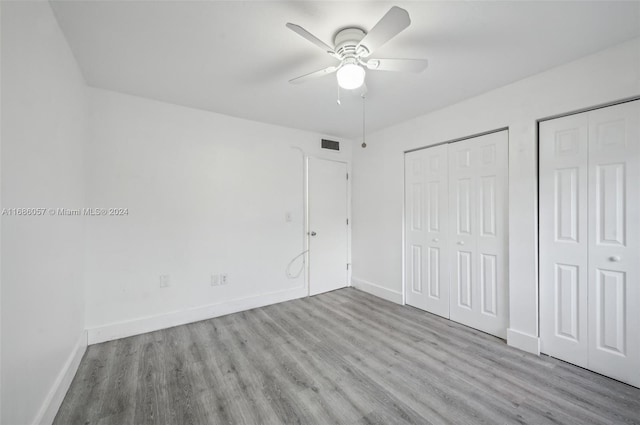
<point>344,357</point>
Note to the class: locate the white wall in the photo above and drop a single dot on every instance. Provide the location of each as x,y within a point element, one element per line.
<point>206,193</point>
<point>43,132</point>
<point>0,218</point>
<point>378,171</point>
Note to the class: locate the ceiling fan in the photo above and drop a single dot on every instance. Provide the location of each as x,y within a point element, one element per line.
<point>353,46</point>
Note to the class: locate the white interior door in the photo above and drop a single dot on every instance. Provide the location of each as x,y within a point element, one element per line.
<point>328,228</point>
<point>426,197</point>
<point>478,172</point>
<point>563,238</point>
<point>590,240</point>
<point>614,242</point>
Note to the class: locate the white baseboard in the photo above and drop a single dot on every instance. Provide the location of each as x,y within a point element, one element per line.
<point>377,290</point>
<point>53,401</point>
<point>523,341</point>
<point>142,325</point>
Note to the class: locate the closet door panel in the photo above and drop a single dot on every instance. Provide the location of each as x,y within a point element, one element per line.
<point>614,241</point>
<point>492,236</point>
<point>478,237</point>
<point>563,238</point>
<point>462,240</point>
<point>414,225</point>
<point>426,212</point>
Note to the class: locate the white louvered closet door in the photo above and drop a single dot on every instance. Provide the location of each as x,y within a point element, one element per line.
<point>590,240</point>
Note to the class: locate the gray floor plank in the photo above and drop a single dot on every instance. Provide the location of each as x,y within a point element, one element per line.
<point>469,381</point>
<point>151,390</point>
<point>345,357</point>
<point>381,351</point>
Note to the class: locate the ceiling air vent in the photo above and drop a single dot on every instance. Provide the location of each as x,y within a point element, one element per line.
<point>330,144</point>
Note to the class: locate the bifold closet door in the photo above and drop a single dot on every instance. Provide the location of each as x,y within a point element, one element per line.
<point>478,189</point>
<point>456,231</point>
<point>427,283</point>
<point>590,240</point>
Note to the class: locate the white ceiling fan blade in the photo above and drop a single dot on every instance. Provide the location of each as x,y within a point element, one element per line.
<point>391,24</point>
<point>312,38</point>
<point>315,74</point>
<point>406,65</point>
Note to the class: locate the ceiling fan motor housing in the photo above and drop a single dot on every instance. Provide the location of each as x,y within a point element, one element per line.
<point>346,43</point>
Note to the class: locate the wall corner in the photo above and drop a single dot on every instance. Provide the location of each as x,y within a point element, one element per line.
<point>523,341</point>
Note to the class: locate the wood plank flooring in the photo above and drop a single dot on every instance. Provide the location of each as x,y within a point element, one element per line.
<point>344,357</point>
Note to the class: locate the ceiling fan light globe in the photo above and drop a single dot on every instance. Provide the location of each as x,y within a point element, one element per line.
<point>350,76</point>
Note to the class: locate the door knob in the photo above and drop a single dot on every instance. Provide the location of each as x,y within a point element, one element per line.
<point>615,258</point>
<point>313,233</point>
<point>460,242</point>
<point>436,240</point>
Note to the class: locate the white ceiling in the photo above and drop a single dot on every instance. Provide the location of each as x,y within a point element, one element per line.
<point>235,57</point>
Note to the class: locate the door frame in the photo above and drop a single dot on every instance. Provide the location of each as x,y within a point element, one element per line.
<point>307,237</point>
<point>404,202</point>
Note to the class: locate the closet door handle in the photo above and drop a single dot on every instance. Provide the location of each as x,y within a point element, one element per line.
<point>615,258</point>
<point>436,240</point>
<point>460,242</point>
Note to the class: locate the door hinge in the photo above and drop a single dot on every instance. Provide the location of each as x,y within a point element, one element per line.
<point>347,176</point>
<point>347,222</point>
<point>347,266</point>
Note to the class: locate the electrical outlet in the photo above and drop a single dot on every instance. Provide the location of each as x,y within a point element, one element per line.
<point>215,279</point>
<point>164,280</point>
<point>224,279</point>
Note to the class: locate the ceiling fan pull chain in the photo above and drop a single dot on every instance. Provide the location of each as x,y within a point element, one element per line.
<point>364,143</point>
<point>338,101</point>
